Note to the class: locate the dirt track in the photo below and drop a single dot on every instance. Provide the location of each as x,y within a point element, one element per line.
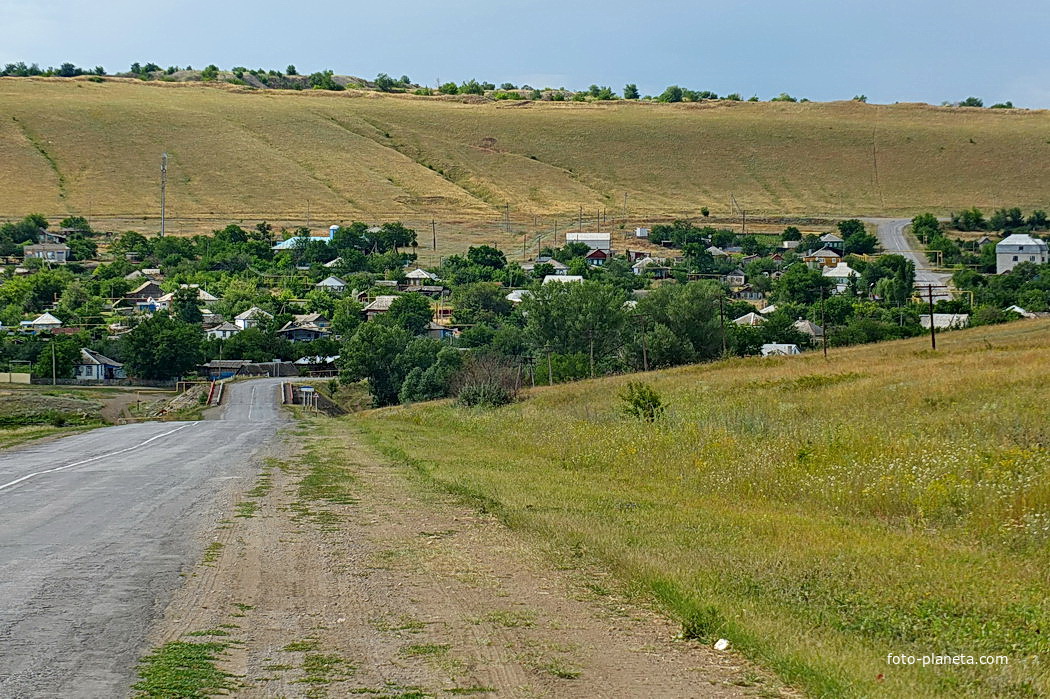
<point>397,590</point>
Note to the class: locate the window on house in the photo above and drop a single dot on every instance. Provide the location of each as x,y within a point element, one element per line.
<point>1015,258</point>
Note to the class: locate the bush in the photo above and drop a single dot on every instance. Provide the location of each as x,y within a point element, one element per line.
<point>486,381</point>
<point>640,400</point>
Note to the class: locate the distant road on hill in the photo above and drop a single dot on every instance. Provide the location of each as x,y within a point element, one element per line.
<point>894,240</point>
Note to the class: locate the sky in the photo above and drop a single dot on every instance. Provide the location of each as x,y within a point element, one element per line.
<point>889,50</point>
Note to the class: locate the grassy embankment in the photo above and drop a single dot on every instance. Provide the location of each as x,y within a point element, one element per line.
<point>820,515</point>
<point>73,146</point>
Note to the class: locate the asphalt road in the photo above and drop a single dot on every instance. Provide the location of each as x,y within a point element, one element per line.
<point>891,236</point>
<point>94,531</point>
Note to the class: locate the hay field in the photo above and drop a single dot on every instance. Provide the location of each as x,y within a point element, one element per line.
<point>819,514</point>
<point>73,146</point>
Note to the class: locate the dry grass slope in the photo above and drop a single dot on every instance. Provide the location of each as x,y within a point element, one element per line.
<point>72,146</point>
<point>821,515</point>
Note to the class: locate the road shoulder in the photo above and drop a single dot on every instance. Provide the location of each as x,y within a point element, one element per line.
<point>339,573</point>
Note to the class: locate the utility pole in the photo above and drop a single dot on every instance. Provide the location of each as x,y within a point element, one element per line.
<point>550,371</point>
<point>625,207</point>
<point>598,221</point>
<point>645,348</point>
<point>823,324</point>
<point>581,219</point>
<point>54,373</point>
<point>555,232</point>
<point>434,232</point>
<point>933,326</point>
<point>722,320</point>
<point>163,190</point>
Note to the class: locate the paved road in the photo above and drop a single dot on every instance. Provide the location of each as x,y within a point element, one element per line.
<point>94,530</point>
<point>893,239</point>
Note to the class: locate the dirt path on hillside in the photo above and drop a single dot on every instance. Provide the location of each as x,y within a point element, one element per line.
<point>397,591</point>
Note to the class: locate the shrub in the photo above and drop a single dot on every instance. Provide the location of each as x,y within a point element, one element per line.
<point>640,400</point>
<point>702,623</point>
<point>486,381</point>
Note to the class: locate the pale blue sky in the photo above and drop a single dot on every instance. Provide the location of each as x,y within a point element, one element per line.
<point>893,50</point>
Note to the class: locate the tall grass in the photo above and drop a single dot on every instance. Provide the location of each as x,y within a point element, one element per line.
<point>819,514</point>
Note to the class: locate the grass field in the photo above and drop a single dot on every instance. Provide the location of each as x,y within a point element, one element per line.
<point>77,147</point>
<point>819,514</point>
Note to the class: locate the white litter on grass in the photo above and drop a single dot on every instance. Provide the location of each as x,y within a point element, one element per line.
<point>721,644</point>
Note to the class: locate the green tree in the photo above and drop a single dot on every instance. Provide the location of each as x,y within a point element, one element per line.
<point>972,102</point>
<point>162,348</point>
<point>482,302</point>
<point>410,312</point>
<point>210,73</point>
<point>186,305</point>
<point>630,91</point>
<point>672,94</point>
<point>66,354</point>
<point>384,83</point>
<point>369,354</point>
<point>487,256</point>
<point>290,70</point>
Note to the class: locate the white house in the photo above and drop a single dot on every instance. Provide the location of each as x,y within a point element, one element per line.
<point>49,252</point>
<point>558,267</point>
<point>641,232</point>
<point>95,367</point>
<point>808,328</point>
<point>945,321</point>
<point>251,318</point>
<point>164,302</point>
<point>1017,248</point>
<point>518,295</point>
<point>595,241</point>
<point>223,331</point>
<point>420,277</point>
<point>749,319</point>
<point>776,349</point>
<point>290,243</point>
<point>333,284</point>
<point>45,322</point>
<point>840,274</point>
<point>562,278</point>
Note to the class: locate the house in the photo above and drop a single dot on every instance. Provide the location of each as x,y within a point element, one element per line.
<point>655,266</point>
<point>807,328</point>
<point>429,290</point>
<point>56,253</point>
<point>945,321</point>
<point>751,319</point>
<point>58,237</point>
<point>223,331</point>
<point>557,266</point>
<point>840,274</point>
<point>825,257</point>
<point>562,278</point>
<point>776,349</point>
<point>595,241</point>
<point>596,258</point>
<point>45,322</point>
<point>983,240</point>
<point>95,367</point>
<point>747,293</point>
<point>714,251</point>
<point>305,328</point>
<point>381,304</point>
<point>290,243</point>
<point>832,241</point>
<point>518,295</point>
<point>332,284</point>
<point>420,277</point>
<point>641,232</point>
<point>1017,248</point>
<point>735,278</point>
<point>333,263</point>
<point>164,302</point>
<point>252,318</point>
<point>771,308</point>
<point>789,245</point>
<point>148,289</point>
<point>438,331</point>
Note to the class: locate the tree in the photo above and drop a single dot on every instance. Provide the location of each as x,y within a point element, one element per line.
<point>290,70</point>
<point>972,102</point>
<point>1007,220</point>
<point>449,88</point>
<point>411,312</point>
<point>59,355</point>
<point>162,348</point>
<point>630,92</point>
<point>186,305</point>
<point>471,87</point>
<point>384,83</point>
<point>487,256</point>
<point>969,220</point>
<point>211,72</point>
<point>483,302</point>
<point>925,227</point>
<point>672,94</point>
<point>791,233</point>
<point>584,317</point>
<point>370,354</point>
<point>783,97</point>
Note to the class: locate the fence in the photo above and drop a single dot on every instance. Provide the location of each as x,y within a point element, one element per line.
<point>10,377</point>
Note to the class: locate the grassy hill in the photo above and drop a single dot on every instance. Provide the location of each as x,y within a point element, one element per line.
<point>74,146</point>
<point>820,514</point>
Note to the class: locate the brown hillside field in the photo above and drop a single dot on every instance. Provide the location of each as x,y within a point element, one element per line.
<point>77,147</point>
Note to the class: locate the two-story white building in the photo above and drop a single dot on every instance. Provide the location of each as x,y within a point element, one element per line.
<point>1017,248</point>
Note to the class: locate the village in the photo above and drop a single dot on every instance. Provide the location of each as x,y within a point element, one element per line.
<point>260,305</point>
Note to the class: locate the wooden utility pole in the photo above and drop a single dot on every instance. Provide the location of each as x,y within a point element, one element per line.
<point>555,232</point>
<point>163,191</point>
<point>625,207</point>
<point>434,233</point>
<point>823,324</point>
<point>581,218</point>
<point>933,325</point>
<point>645,348</point>
<point>722,320</point>
<point>550,371</point>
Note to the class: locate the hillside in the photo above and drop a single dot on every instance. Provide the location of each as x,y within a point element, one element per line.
<point>819,514</point>
<point>75,146</point>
